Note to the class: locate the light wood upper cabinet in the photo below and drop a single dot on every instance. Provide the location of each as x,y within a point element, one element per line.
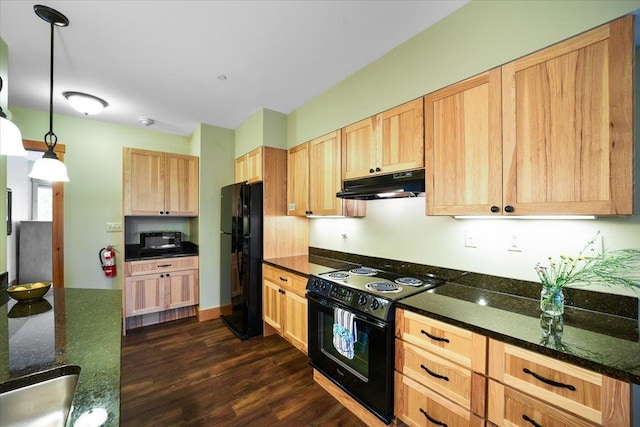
<point>298,180</point>
<point>550,133</point>
<point>157,183</point>
<point>388,142</point>
<point>314,179</point>
<point>463,140</point>
<point>248,167</point>
<point>568,125</point>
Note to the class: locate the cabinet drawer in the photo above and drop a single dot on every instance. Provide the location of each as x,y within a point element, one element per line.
<point>417,405</point>
<point>456,344</point>
<point>594,396</point>
<point>287,280</point>
<point>509,407</point>
<point>453,381</point>
<point>136,268</point>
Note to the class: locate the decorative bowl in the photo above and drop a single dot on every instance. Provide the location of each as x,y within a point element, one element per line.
<point>28,291</point>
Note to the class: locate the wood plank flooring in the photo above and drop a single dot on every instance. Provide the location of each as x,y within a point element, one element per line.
<point>186,373</point>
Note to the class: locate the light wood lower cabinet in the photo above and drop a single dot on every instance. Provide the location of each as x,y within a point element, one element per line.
<point>157,286</point>
<point>439,373</point>
<point>284,305</point>
<point>550,392</point>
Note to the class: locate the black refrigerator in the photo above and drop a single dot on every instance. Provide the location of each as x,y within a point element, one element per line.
<point>241,258</point>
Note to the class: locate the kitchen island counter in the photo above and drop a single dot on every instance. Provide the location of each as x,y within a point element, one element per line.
<point>68,327</point>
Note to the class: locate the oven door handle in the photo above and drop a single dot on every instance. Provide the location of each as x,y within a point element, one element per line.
<point>332,304</point>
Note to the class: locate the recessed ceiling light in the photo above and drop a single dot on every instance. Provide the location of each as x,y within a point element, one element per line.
<point>146,121</point>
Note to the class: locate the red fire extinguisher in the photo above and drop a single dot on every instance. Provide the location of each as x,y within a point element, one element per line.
<point>108,261</point>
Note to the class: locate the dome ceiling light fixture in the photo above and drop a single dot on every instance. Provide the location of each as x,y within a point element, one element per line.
<point>85,103</point>
<point>49,167</point>
<point>10,136</point>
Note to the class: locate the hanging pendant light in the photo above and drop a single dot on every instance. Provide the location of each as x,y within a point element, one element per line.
<point>10,136</point>
<point>49,167</point>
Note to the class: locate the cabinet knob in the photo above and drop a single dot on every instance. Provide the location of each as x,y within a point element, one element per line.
<point>378,169</point>
<point>495,209</point>
<point>509,209</point>
<point>161,212</point>
<point>166,212</point>
<point>371,171</point>
<point>308,212</point>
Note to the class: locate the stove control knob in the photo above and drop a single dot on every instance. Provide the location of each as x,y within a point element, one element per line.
<point>362,299</point>
<point>323,285</point>
<point>375,304</point>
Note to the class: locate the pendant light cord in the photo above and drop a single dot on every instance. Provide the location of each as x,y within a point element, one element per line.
<point>50,138</point>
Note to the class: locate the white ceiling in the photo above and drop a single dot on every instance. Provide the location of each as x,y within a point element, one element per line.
<point>162,59</point>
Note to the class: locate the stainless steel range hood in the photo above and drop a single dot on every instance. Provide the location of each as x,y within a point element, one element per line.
<point>401,184</point>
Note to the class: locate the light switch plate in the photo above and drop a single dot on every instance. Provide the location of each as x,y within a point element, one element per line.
<point>114,227</point>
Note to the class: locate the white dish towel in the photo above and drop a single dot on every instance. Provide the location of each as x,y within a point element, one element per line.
<point>344,332</point>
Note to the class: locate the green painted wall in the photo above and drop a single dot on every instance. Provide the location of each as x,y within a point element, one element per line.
<point>216,151</point>
<point>266,127</point>
<point>477,37</point>
<point>93,195</point>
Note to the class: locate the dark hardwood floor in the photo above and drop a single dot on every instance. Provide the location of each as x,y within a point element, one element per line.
<point>186,373</point>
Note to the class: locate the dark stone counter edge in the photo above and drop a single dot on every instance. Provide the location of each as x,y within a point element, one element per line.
<point>556,354</point>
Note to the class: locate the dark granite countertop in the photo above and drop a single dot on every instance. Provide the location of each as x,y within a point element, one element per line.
<point>308,264</point>
<point>597,331</point>
<point>601,342</point>
<point>76,327</point>
<point>132,252</point>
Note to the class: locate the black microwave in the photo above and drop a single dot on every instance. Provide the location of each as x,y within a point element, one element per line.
<point>151,241</point>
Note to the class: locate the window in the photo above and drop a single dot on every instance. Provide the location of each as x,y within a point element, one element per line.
<point>41,200</point>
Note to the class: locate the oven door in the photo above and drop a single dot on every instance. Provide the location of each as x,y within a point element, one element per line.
<point>368,377</point>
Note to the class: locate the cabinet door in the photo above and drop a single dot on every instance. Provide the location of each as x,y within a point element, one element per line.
<point>298,180</point>
<point>181,289</point>
<point>295,320</point>
<point>359,148</point>
<point>463,142</point>
<point>272,305</point>
<point>402,139</point>
<point>181,185</point>
<point>324,174</point>
<point>254,165</point>
<point>241,169</point>
<point>568,133</point>
<point>144,294</point>
<point>143,185</point>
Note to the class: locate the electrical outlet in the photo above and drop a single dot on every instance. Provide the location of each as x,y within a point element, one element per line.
<point>114,227</point>
<point>514,244</point>
<point>470,240</point>
<point>594,247</point>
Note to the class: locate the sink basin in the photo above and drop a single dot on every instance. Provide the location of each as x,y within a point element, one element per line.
<point>41,399</point>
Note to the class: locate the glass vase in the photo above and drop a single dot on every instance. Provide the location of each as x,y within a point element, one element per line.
<point>552,301</point>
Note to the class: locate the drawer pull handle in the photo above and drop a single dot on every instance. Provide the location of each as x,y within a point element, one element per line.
<point>433,337</point>
<point>433,420</point>
<point>535,424</point>
<point>433,374</point>
<point>284,279</point>
<point>547,380</point>
<point>164,265</point>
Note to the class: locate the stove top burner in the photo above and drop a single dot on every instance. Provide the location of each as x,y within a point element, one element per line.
<point>383,287</point>
<point>363,271</point>
<point>338,275</point>
<point>411,281</point>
